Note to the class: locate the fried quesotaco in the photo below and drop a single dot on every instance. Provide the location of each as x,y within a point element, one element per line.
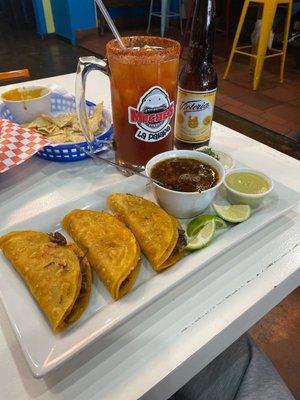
<point>158,233</point>
<point>56,273</point>
<point>110,246</point>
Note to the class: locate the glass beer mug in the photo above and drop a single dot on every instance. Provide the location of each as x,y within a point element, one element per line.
<point>143,80</point>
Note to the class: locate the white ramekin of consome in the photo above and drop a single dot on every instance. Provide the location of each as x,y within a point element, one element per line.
<point>185,204</point>
<point>252,199</point>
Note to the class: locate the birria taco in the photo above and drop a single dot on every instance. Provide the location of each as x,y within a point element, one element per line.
<point>158,233</point>
<point>57,274</point>
<point>109,245</point>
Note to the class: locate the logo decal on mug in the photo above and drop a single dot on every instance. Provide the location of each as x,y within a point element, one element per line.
<point>152,115</point>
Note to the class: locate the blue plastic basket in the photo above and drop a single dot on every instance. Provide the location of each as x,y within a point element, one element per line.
<point>66,152</point>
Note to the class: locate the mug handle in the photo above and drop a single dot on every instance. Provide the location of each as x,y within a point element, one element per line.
<point>84,67</point>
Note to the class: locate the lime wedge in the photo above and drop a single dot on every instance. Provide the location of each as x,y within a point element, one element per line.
<point>197,223</point>
<point>235,213</point>
<point>204,237</point>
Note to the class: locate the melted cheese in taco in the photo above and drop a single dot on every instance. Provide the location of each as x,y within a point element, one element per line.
<point>157,232</point>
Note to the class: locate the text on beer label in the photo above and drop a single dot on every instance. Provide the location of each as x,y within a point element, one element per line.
<point>193,105</point>
<point>194,115</point>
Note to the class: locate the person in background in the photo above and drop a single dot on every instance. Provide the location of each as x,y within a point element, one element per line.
<point>241,372</point>
<point>296,24</point>
<point>277,25</point>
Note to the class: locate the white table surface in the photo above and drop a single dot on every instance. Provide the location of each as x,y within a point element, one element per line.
<point>160,349</point>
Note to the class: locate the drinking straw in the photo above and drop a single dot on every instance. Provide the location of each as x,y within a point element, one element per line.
<point>110,23</point>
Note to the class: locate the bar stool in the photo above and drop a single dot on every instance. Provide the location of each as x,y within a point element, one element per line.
<point>164,15</point>
<point>269,11</point>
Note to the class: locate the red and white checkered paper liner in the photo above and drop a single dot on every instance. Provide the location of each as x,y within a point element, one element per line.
<point>17,144</point>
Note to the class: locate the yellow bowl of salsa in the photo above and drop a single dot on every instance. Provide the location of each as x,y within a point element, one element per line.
<point>26,103</point>
<point>247,186</point>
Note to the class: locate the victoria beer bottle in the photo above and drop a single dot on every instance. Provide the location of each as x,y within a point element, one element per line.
<point>197,82</point>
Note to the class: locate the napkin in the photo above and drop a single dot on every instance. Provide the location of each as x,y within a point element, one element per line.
<point>17,144</point>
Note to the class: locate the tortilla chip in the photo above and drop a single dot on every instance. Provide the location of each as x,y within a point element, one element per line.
<point>111,248</point>
<point>48,118</point>
<point>38,122</point>
<point>98,112</point>
<point>96,118</point>
<point>46,131</point>
<point>83,297</point>
<point>62,120</point>
<point>155,230</point>
<point>65,127</point>
<point>54,272</point>
<point>76,138</point>
<point>60,138</point>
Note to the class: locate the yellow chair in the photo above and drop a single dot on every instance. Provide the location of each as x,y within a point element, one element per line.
<point>258,57</point>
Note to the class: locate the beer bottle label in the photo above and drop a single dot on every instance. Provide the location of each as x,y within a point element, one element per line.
<point>194,115</point>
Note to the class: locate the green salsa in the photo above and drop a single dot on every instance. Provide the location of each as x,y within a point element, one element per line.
<point>247,182</point>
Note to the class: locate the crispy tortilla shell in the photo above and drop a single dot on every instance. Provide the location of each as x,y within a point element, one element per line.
<point>155,230</point>
<point>110,247</point>
<point>56,274</point>
<point>83,297</point>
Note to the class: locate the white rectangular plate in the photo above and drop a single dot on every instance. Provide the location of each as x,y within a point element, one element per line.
<point>44,350</point>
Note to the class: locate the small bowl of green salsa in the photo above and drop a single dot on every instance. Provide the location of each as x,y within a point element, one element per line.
<point>247,186</point>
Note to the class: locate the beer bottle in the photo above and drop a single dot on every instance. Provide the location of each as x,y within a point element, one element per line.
<point>197,82</point>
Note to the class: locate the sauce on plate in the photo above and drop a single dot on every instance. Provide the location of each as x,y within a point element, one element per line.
<point>247,182</point>
<point>184,174</point>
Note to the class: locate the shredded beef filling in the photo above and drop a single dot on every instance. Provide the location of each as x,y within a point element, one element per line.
<point>181,242</point>
<point>58,238</point>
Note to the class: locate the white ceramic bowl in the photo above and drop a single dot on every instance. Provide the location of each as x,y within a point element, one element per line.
<point>27,110</point>
<point>185,204</point>
<point>253,200</point>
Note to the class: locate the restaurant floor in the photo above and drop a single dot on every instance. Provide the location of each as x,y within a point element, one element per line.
<point>43,57</point>
<point>278,332</point>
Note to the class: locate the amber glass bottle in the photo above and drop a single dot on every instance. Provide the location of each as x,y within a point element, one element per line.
<point>197,82</point>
